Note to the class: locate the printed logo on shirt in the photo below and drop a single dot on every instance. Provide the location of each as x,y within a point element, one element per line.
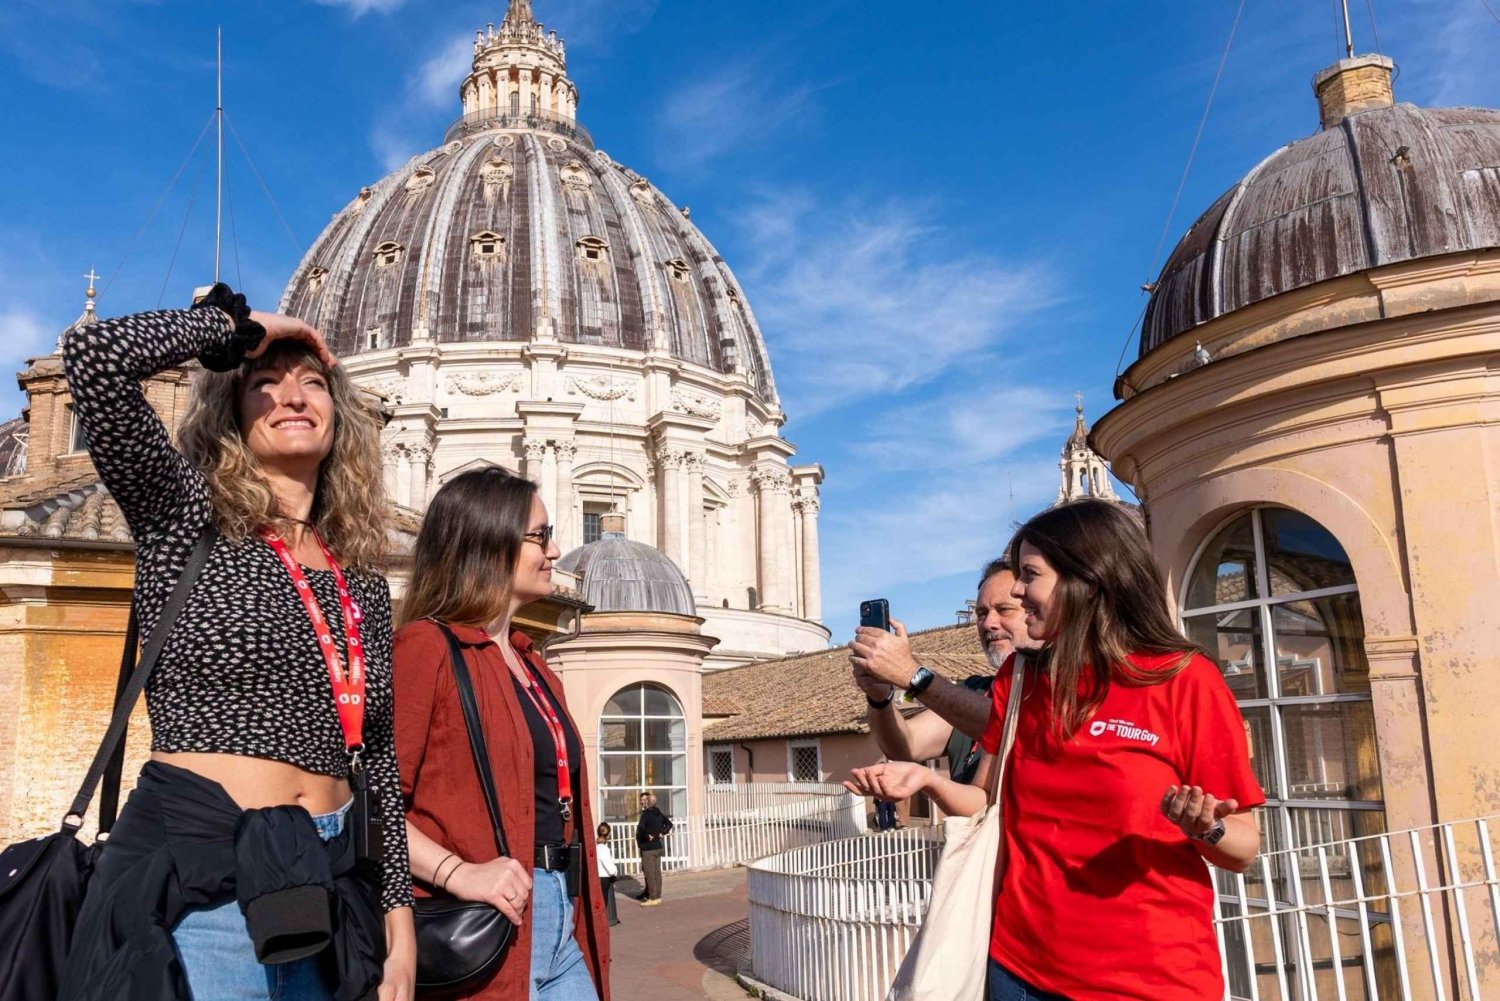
<point>1123,728</point>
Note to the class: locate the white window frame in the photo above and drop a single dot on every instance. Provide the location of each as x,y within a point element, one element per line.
<point>713,781</point>
<point>792,746</point>
<point>77,444</point>
<point>641,754</point>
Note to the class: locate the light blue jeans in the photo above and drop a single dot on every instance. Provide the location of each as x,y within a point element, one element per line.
<point>218,957</point>
<point>558,972</point>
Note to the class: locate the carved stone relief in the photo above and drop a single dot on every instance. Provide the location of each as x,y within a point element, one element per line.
<point>689,401</point>
<point>485,383</point>
<point>601,387</point>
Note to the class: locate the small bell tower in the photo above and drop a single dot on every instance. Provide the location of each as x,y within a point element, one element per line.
<point>1084,473</point>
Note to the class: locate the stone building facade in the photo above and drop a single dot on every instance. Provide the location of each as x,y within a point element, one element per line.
<point>1313,427</point>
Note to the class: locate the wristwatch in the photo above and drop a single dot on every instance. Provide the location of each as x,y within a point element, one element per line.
<point>919,682</point>
<point>881,703</point>
<point>1212,836</point>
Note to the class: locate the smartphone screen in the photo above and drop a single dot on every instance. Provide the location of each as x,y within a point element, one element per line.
<point>875,613</point>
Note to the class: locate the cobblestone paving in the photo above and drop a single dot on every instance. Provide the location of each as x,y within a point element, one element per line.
<point>686,949</point>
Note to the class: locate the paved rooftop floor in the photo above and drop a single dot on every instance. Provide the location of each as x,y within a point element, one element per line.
<point>688,948</point>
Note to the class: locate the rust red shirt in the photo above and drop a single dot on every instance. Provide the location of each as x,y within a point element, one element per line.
<point>1102,896</point>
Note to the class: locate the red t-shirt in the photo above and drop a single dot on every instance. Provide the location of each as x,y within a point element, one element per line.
<point>1103,896</point>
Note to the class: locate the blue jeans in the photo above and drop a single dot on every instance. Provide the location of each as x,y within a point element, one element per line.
<point>218,957</point>
<point>1006,986</point>
<point>558,972</point>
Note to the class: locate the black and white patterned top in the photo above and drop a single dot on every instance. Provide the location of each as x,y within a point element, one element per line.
<point>241,672</point>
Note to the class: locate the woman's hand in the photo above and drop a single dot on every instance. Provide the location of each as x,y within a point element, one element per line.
<point>398,982</point>
<point>503,883</point>
<point>890,780</point>
<point>1194,811</point>
<point>289,328</point>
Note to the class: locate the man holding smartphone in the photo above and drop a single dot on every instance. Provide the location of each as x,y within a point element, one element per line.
<point>884,663</point>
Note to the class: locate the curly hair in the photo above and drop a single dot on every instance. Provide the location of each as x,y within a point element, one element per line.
<point>349,508</point>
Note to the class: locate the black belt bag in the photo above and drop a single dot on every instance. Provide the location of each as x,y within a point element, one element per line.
<point>566,859</point>
<point>460,943</point>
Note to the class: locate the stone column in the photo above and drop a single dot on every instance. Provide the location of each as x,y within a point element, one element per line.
<point>697,551</point>
<point>547,488</point>
<point>772,486</point>
<point>389,455</point>
<point>535,450</point>
<point>421,469</point>
<point>812,575</point>
<point>403,476</point>
<point>563,515</point>
<point>669,500</point>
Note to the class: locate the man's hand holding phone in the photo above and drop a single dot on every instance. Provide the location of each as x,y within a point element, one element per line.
<point>882,659</point>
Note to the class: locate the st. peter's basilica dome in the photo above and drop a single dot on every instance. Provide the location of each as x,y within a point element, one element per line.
<point>520,299</point>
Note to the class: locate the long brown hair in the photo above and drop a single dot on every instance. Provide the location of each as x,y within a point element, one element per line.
<point>1109,602</point>
<point>349,508</point>
<point>466,551</point>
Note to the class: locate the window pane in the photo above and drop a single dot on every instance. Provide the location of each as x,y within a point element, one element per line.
<point>620,806</point>
<point>666,735</point>
<point>1331,753</point>
<point>1262,748</point>
<point>660,703</point>
<point>1234,640</point>
<point>620,770</point>
<point>1301,554</point>
<point>1320,646</point>
<point>678,800</point>
<point>666,769</point>
<point>627,702</point>
<point>1225,572</point>
<point>721,767</point>
<point>620,736</point>
<point>805,765</point>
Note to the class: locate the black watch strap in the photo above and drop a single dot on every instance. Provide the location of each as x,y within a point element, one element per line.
<point>881,703</point>
<point>920,682</point>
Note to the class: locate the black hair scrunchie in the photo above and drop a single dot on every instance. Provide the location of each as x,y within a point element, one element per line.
<point>247,333</point>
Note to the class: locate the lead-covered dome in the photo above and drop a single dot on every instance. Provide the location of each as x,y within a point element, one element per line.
<point>518,229</point>
<point>1378,185</point>
<point>619,575</point>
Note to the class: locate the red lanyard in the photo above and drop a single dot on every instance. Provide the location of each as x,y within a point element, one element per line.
<point>348,686</point>
<point>559,738</point>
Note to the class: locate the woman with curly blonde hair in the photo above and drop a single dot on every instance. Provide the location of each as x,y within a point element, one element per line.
<point>263,851</point>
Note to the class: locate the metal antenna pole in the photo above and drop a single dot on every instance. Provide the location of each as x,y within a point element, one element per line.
<point>1348,33</point>
<point>218,216</point>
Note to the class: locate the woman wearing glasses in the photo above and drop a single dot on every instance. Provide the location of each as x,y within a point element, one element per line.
<point>484,551</point>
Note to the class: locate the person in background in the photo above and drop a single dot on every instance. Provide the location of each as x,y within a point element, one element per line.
<point>651,837</point>
<point>957,712</point>
<point>885,815</point>
<point>485,550</point>
<point>608,873</point>
<point>1130,769</point>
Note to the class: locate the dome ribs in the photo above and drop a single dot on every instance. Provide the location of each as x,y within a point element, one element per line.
<point>1383,186</point>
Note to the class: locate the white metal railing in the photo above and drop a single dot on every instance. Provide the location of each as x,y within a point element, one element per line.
<point>749,823</point>
<point>831,922</point>
<point>1413,915</point>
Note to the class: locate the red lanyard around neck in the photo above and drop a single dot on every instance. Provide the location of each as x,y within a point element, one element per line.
<point>559,737</point>
<point>348,686</point>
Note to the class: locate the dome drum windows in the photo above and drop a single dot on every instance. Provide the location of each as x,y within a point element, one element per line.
<point>576,177</point>
<point>679,270</point>
<point>592,250</point>
<point>316,276</point>
<point>487,246</point>
<point>389,253</point>
<point>1272,597</point>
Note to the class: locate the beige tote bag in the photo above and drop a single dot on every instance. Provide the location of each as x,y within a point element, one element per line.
<point>949,958</point>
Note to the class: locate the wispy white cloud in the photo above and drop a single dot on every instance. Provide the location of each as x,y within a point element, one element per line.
<point>411,123</point>
<point>359,8</point>
<point>862,299</point>
<point>594,24</point>
<point>731,108</point>
<point>436,82</point>
<point>1446,52</point>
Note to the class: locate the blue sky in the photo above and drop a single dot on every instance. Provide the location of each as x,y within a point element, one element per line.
<point>942,214</point>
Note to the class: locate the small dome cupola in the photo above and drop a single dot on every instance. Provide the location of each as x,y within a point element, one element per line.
<point>619,575</point>
<point>519,70</point>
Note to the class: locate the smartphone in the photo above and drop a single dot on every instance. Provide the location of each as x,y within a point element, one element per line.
<point>875,613</point>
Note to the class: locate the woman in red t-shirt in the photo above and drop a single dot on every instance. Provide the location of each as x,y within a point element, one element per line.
<point>1130,769</point>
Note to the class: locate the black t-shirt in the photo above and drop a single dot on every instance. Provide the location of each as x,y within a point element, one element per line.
<point>963,750</point>
<point>549,821</point>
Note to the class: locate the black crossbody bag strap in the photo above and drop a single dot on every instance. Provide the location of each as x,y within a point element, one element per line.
<point>109,760</point>
<point>476,735</point>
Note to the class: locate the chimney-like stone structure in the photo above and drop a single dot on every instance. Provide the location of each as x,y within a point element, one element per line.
<point>1350,86</point>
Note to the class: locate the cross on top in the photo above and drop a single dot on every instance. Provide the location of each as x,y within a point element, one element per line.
<point>92,278</point>
<point>1079,397</point>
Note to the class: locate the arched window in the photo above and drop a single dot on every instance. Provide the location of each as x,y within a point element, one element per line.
<point>642,748</point>
<point>1273,596</point>
<point>591,248</point>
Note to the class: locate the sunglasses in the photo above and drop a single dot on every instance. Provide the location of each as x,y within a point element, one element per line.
<point>541,536</point>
